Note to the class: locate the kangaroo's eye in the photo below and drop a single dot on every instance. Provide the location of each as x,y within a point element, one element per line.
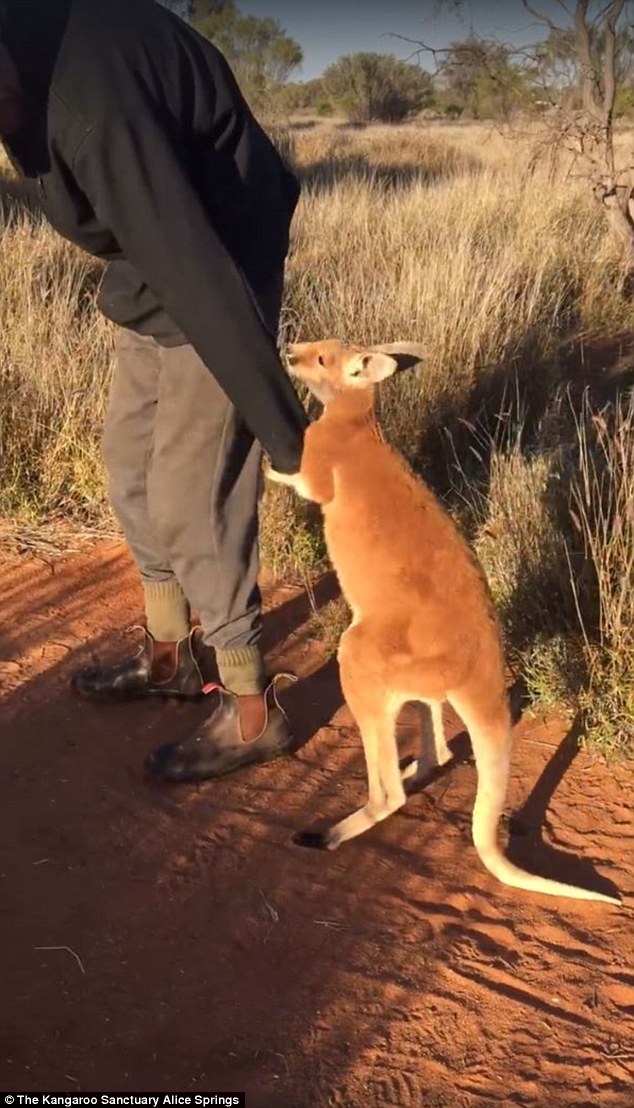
<point>321,361</point>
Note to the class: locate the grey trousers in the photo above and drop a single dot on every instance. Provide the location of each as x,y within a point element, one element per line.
<point>185,478</point>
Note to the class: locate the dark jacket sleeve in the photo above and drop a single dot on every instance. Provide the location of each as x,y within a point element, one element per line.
<point>133,177</point>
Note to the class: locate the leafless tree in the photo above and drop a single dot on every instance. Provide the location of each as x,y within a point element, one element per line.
<point>576,104</point>
<point>587,130</point>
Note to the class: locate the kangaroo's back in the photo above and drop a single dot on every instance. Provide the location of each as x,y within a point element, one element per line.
<point>396,550</point>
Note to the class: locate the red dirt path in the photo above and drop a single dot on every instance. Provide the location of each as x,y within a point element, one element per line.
<point>219,956</point>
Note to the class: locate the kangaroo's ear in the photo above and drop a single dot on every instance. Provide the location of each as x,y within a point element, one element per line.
<point>408,355</point>
<point>370,366</point>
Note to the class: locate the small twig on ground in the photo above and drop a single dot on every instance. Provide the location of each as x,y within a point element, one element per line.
<point>278,1055</point>
<point>275,918</point>
<point>70,951</point>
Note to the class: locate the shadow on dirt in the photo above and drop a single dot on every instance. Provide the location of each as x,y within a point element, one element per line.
<point>527,848</point>
<point>213,954</point>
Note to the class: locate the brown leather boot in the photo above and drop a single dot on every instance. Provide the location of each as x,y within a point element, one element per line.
<point>241,731</point>
<point>157,669</point>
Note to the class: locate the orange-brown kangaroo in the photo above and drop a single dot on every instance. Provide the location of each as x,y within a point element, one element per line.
<point>424,626</point>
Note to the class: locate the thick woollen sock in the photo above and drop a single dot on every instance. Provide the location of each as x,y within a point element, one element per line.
<point>242,671</point>
<point>166,610</point>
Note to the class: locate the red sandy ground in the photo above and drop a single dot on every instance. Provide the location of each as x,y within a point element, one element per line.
<point>216,955</point>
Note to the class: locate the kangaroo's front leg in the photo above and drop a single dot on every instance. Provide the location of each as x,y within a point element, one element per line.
<point>291,479</point>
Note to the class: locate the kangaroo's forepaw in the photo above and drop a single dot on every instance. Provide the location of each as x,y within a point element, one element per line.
<point>280,478</point>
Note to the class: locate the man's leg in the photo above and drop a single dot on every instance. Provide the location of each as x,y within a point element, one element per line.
<point>165,665</point>
<point>128,448</point>
<point>203,492</point>
<point>204,486</point>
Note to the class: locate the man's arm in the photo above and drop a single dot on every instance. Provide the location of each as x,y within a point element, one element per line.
<point>135,180</point>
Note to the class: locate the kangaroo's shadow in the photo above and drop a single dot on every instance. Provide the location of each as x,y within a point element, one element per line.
<point>526,847</point>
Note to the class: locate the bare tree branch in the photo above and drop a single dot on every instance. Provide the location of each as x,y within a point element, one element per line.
<point>541,17</point>
<point>590,90</point>
<point>565,8</point>
<point>578,111</point>
<point>609,60</point>
<point>422,48</point>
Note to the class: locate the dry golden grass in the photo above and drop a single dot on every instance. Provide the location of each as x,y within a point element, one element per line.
<point>446,236</point>
<point>603,512</point>
<point>55,355</point>
<point>552,515</point>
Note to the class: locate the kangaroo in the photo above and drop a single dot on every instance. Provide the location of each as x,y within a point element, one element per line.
<point>424,626</point>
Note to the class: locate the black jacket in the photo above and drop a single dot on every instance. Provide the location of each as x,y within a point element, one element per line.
<point>145,154</point>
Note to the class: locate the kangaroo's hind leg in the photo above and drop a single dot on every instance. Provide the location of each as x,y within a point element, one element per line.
<point>423,769</point>
<point>375,710</point>
<point>443,753</point>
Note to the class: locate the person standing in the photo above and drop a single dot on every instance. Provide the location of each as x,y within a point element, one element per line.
<point>134,134</point>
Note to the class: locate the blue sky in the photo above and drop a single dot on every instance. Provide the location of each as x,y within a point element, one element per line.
<point>326,29</point>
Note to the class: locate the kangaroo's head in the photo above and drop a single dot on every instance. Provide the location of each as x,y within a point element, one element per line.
<point>330,367</point>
